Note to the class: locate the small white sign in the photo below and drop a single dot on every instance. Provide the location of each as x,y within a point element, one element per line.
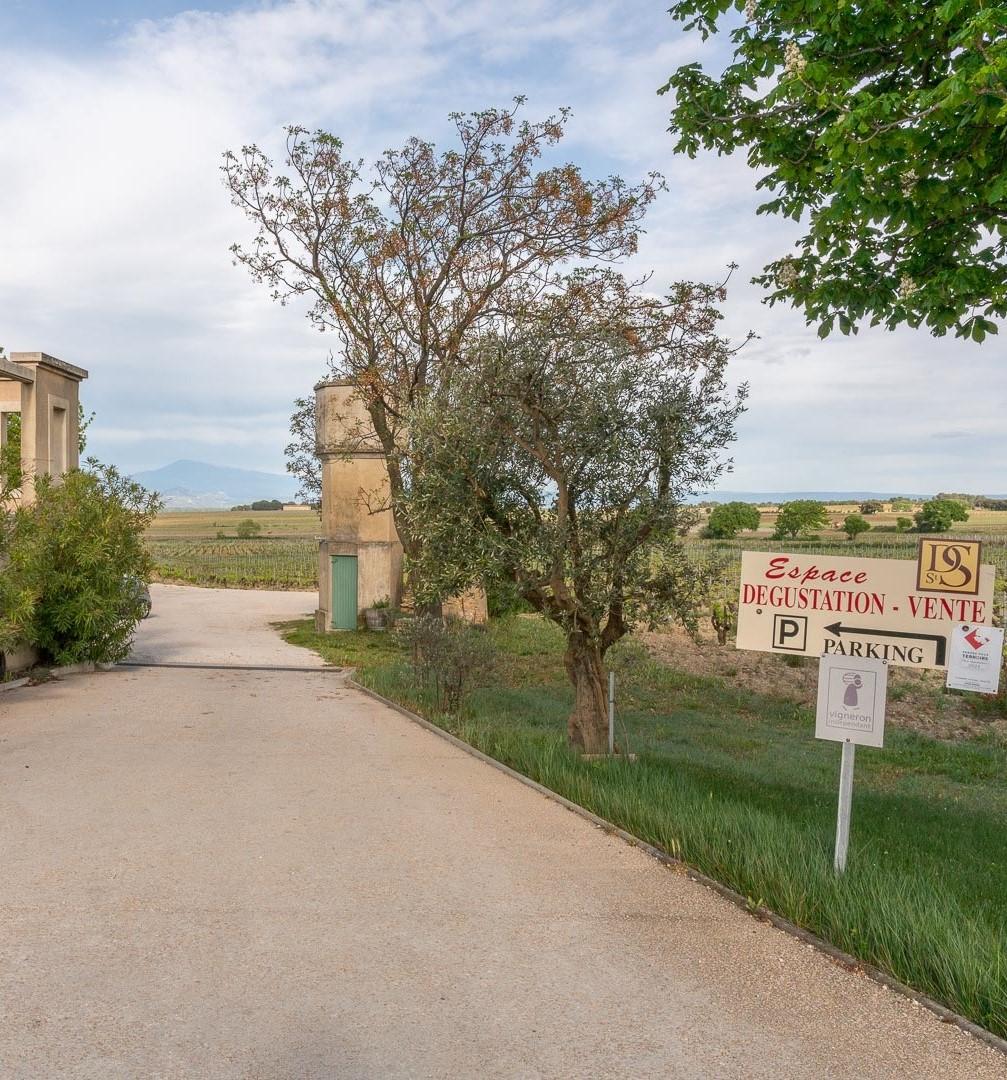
<point>975,658</point>
<point>851,700</point>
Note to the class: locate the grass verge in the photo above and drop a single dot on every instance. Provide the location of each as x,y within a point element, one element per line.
<point>735,784</point>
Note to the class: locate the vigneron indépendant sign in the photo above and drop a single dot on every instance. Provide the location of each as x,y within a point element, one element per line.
<point>898,610</point>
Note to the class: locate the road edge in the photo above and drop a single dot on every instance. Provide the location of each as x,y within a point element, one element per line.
<point>842,959</point>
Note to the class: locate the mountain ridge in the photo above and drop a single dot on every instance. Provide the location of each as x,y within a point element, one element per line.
<point>197,485</point>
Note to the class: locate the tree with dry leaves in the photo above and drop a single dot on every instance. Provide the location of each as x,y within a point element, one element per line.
<point>407,258</point>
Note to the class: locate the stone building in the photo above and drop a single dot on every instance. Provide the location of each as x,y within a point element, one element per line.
<point>46,393</point>
<point>359,555</point>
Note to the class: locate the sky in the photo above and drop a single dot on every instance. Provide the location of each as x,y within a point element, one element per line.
<point>115,225</point>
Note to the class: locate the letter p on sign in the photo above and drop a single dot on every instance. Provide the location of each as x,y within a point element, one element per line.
<point>790,632</point>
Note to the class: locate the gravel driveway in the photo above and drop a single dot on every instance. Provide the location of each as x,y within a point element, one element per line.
<point>213,873</point>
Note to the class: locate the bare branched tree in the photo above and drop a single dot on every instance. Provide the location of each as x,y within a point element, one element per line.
<point>406,259</point>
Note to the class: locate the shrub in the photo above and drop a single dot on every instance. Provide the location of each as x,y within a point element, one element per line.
<point>854,525</point>
<point>449,657</point>
<point>727,521</point>
<point>938,515</point>
<point>903,524</point>
<point>871,506</point>
<point>800,518</point>
<point>724,616</point>
<point>247,529</point>
<point>74,557</point>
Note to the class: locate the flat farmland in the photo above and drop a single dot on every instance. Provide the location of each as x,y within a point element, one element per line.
<point>203,548</point>
<point>980,523</point>
<point>301,522</point>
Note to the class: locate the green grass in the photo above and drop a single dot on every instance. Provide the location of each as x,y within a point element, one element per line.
<point>736,784</point>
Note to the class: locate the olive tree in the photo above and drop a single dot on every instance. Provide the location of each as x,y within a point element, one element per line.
<point>558,459</point>
<point>405,259</point>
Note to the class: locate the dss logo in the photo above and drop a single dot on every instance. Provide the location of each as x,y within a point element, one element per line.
<point>948,566</point>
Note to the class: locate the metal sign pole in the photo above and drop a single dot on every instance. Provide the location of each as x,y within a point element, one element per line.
<point>611,712</point>
<point>845,804</point>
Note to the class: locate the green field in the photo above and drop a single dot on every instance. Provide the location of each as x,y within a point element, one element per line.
<point>736,784</point>
<point>185,547</point>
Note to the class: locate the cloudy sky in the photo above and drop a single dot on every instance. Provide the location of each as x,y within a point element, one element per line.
<point>115,227</point>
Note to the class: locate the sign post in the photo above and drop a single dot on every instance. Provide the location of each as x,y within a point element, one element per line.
<point>851,709</point>
<point>845,805</point>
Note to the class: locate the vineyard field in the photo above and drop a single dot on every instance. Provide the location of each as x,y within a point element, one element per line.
<point>271,563</point>
<point>291,562</point>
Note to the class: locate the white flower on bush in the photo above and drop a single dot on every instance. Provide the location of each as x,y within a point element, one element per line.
<point>750,9</point>
<point>909,183</point>
<point>907,287</point>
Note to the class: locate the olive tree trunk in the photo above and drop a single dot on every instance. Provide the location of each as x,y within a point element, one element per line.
<point>588,724</point>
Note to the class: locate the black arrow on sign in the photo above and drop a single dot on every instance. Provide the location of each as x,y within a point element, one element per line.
<point>941,642</point>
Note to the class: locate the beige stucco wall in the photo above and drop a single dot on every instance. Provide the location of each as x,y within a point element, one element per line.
<point>49,407</point>
<point>356,515</point>
<point>356,519</point>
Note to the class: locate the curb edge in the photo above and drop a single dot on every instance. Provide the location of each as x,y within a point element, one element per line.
<point>842,959</point>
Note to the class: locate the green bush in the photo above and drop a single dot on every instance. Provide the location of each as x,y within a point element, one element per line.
<point>449,657</point>
<point>938,515</point>
<point>247,529</point>
<point>854,525</point>
<point>728,520</point>
<point>73,558</point>
<point>800,518</point>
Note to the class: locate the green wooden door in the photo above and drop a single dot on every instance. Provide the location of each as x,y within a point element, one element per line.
<point>344,592</point>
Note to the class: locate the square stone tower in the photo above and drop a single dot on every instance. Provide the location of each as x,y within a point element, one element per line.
<point>360,556</point>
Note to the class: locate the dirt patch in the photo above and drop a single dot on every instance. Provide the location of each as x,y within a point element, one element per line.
<point>916,699</point>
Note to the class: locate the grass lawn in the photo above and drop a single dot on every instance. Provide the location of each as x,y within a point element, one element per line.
<point>735,784</point>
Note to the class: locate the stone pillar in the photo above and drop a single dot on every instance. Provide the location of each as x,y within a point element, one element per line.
<point>356,514</point>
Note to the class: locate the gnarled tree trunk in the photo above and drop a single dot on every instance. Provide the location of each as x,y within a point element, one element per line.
<point>587,727</point>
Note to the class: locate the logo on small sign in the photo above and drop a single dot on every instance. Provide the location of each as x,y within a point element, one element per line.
<point>977,639</point>
<point>949,566</point>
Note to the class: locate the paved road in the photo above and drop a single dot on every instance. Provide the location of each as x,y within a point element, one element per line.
<point>240,874</point>
<point>221,626</point>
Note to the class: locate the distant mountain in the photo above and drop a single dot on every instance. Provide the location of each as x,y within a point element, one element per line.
<point>764,497</point>
<point>196,485</point>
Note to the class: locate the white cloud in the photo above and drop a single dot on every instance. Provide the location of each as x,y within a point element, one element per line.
<point>114,227</point>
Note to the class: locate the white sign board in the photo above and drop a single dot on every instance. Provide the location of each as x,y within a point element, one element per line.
<point>851,700</point>
<point>975,657</point>
<point>833,605</point>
